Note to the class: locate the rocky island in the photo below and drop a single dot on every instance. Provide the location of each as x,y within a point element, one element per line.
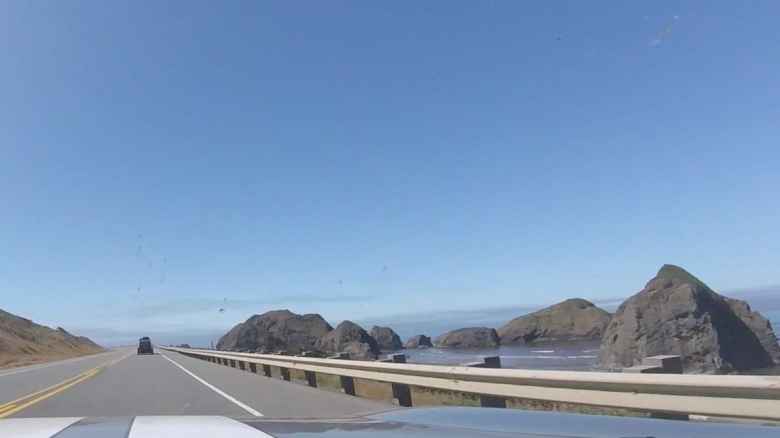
<point>570,320</point>
<point>676,313</point>
<point>418,341</point>
<point>350,338</point>
<point>470,337</point>
<point>387,338</point>
<point>283,330</point>
<point>276,330</point>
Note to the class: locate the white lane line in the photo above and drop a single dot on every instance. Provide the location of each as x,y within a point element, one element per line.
<point>215,389</point>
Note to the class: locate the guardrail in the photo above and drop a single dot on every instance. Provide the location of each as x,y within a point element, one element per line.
<point>745,397</point>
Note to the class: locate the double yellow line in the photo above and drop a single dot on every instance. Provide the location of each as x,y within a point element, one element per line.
<point>12,407</point>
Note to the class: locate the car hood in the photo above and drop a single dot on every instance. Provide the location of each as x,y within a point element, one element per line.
<point>406,423</point>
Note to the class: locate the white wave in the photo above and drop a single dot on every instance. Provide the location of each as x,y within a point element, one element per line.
<point>534,356</point>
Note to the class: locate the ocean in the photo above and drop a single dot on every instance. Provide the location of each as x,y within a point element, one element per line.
<point>578,356</point>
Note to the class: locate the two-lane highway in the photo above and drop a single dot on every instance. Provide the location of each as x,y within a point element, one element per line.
<point>24,386</point>
<point>120,383</point>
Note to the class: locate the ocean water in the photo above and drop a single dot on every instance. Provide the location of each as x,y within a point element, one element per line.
<point>580,356</point>
<point>774,317</point>
<point>559,356</point>
<point>571,356</point>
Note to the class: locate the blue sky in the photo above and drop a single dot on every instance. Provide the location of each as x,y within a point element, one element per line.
<point>160,161</point>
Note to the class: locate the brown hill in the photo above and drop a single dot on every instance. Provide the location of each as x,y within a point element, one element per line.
<point>24,342</point>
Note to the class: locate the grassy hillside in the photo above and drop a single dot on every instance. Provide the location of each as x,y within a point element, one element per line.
<point>24,342</point>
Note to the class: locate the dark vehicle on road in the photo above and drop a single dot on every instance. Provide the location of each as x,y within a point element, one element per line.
<point>145,346</point>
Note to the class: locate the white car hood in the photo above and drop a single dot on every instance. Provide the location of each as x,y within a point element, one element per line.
<point>137,427</point>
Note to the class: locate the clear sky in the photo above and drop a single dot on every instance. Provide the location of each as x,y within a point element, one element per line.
<point>160,161</point>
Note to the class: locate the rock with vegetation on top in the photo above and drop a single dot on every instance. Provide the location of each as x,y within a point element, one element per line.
<point>573,319</point>
<point>351,338</point>
<point>677,314</point>
<point>387,338</point>
<point>277,330</point>
<point>418,341</point>
<point>470,337</point>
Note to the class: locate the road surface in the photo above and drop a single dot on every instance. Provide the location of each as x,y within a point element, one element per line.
<point>120,383</point>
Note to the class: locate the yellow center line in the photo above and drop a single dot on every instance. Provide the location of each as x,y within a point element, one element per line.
<point>14,406</point>
<point>49,394</point>
<point>49,388</point>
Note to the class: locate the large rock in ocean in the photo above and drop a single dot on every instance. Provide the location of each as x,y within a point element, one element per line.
<point>418,341</point>
<point>760,326</point>
<point>678,314</point>
<point>351,338</point>
<point>276,330</point>
<point>387,338</point>
<point>471,337</point>
<point>573,319</point>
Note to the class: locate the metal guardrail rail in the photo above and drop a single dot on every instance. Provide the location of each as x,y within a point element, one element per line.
<point>746,397</point>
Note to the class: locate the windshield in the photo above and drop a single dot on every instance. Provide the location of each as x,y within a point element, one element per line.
<point>195,192</point>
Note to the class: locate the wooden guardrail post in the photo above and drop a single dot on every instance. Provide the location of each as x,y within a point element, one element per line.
<point>242,365</point>
<point>401,393</point>
<point>489,401</point>
<point>311,376</point>
<point>267,370</point>
<point>347,382</point>
<point>253,367</point>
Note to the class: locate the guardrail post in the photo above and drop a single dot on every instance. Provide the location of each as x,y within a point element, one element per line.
<point>267,370</point>
<point>489,401</point>
<point>232,363</point>
<point>311,376</point>
<point>253,367</point>
<point>401,393</point>
<point>347,383</point>
<point>242,365</point>
<point>285,373</point>
<point>662,364</point>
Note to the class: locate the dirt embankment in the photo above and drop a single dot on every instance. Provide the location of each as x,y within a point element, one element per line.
<point>23,342</point>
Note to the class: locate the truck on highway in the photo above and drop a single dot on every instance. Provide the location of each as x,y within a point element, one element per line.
<point>145,346</point>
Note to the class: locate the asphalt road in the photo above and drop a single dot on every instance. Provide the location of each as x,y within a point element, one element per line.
<point>120,383</point>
